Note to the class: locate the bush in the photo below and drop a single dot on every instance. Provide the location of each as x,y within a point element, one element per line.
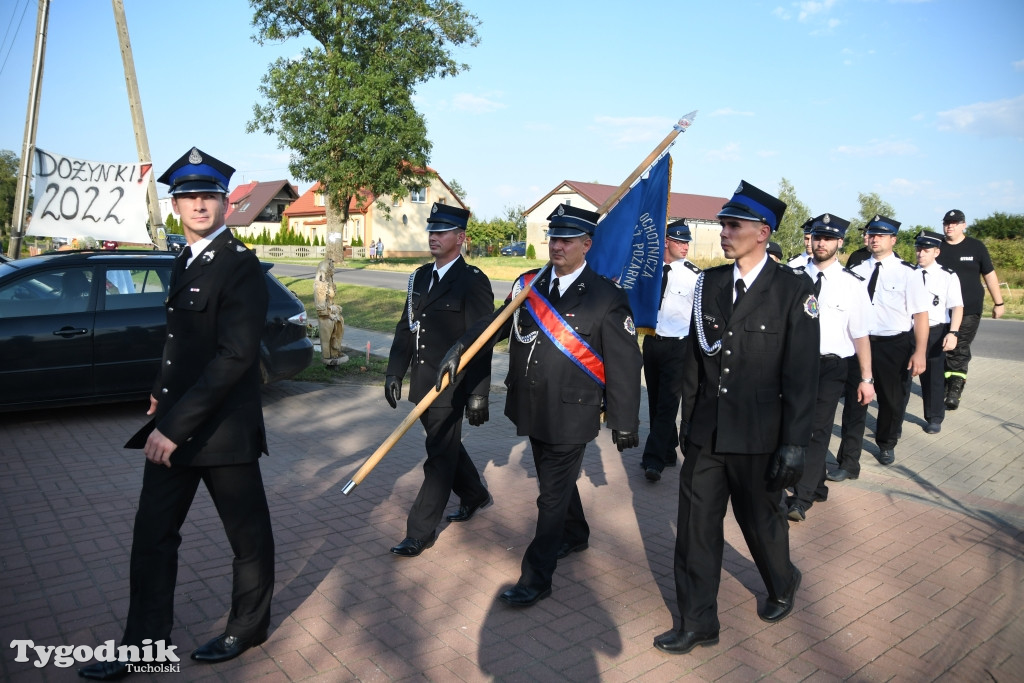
<point>531,253</point>
<point>1008,259</point>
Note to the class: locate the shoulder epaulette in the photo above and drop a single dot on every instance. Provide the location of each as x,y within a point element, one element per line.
<point>859,277</point>
<point>792,271</point>
<point>908,264</point>
<point>610,281</point>
<point>948,270</point>
<point>692,266</point>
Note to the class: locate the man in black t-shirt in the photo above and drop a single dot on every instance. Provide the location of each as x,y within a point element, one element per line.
<point>969,259</point>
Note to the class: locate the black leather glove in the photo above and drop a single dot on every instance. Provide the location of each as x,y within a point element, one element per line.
<point>476,410</point>
<point>450,365</point>
<point>393,390</point>
<point>787,467</point>
<point>624,440</point>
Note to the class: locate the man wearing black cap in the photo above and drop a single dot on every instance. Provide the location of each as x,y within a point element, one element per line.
<point>899,340</point>
<point>664,352</point>
<point>970,260</point>
<point>572,353</point>
<point>444,298</point>
<point>775,252</point>
<point>846,318</point>
<point>945,315</point>
<point>748,397</point>
<point>207,424</point>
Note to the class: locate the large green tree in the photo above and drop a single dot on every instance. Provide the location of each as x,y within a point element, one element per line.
<point>790,234</point>
<point>8,189</point>
<point>344,106</point>
<point>1000,226</point>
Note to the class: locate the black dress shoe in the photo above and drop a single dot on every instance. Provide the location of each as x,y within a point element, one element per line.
<point>886,456</point>
<point>681,642</point>
<point>523,596</point>
<point>652,474</point>
<point>225,647</point>
<point>797,512</point>
<point>933,428</point>
<point>777,609</point>
<point>841,475</point>
<point>411,547</point>
<point>105,671</point>
<point>566,549</point>
<point>466,512</point>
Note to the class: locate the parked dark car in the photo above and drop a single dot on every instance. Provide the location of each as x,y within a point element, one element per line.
<point>89,327</point>
<point>514,249</point>
<point>175,242</point>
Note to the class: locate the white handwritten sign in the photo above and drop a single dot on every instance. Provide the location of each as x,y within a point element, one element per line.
<point>77,198</point>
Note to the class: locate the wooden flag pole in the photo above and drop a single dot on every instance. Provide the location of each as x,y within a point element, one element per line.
<point>678,128</point>
<point>425,402</point>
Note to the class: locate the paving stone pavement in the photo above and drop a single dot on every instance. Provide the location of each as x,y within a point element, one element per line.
<point>913,572</point>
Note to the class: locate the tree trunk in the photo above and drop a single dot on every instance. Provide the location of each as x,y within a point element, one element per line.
<point>337,217</point>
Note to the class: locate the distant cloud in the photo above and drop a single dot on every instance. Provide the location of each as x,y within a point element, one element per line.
<point>811,8</point>
<point>767,153</point>
<point>632,129</point>
<point>879,148</point>
<point>729,111</point>
<point>902,186</point>
<point>782,13</point>
<point>1018,66</point>
<point>1001,118</point>
<point>730,152</point>
<point>476,104</point>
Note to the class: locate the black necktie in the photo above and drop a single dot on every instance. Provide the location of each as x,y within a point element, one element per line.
<point>874,280</point>
<point>817,285</point>
<point>664,282</point>
<point>741,289</point>
<point>555,294</point>
<point>433,281</point>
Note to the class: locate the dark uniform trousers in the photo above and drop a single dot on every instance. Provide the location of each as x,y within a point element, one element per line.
<point>167,493</point>
<point>442,473</point>
<point>933,379</point>
<point>560,517</point>
<point>664,360</point>
<point>707,482</point>
<point>958,359</point>
<point>832,374</point>
<point>889,359</point>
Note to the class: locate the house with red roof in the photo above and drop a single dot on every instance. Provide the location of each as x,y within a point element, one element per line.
<point>402,232</point>
<point>699,211</point>
<point>255,207</point>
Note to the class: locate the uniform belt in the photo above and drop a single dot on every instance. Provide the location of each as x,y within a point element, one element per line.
<point>661,338</point>
<point>831,356</point>
<point>889,337</point>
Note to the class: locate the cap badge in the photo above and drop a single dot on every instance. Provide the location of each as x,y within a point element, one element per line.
<point>739,188</point>
<point>433,209</point>
<point>194,157</point>
<point>877,217</point>
<point>561,211</point>
<point>827,219</point>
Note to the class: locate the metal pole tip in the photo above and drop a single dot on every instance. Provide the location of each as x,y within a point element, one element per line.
<point>348,487</point>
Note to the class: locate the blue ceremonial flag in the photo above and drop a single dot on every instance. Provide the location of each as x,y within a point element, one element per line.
<point>629,243</point>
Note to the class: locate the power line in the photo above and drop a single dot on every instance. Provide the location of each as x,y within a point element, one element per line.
<point>16,31</point>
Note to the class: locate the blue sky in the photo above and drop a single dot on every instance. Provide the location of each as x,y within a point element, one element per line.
<point>919,101</point>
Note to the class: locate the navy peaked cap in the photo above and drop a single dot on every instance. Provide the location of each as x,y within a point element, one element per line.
<point>829,225</point>
<point>679,231</point>
<point>572,221</point>
<point>197,171</point>
<point>749,203</point>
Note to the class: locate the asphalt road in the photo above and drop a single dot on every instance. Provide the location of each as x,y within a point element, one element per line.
<point>1001,339</point>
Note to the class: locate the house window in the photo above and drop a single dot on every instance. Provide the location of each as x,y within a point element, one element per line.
<point>418,196</point>
<point>318,199</point>
<point>397,202</point>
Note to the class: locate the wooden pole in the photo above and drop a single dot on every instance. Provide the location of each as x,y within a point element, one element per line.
<point>28,148</point>
<point>156,221</point>
<point>425,402</point>
<point>678,128</point>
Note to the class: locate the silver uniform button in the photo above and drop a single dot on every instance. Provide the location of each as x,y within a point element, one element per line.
<point>725,371</point>
<point>725,390</point>
<point>168,362</point>
<point>728,352</point>
<point>164,390</point>
<point>762,327</point>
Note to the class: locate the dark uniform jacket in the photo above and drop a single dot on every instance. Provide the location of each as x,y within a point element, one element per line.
<point>759,390</point>
<point>549,397</point>
<point>462,297</point>
<point>208,388</point>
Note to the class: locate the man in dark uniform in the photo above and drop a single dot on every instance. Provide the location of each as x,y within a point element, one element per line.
<point>969,259</point>
<point>664,352</point>
<point>559,381</point>
<point>207,424</point>
<point>444,298</point>
<point>749,393</point>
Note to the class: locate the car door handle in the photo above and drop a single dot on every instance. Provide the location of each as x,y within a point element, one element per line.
<point>68,332</point>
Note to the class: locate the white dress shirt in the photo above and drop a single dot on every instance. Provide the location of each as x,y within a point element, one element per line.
<point>844,309</point>
<point>677,304</point>
<point>944,293</point>
<point>899,294</point>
